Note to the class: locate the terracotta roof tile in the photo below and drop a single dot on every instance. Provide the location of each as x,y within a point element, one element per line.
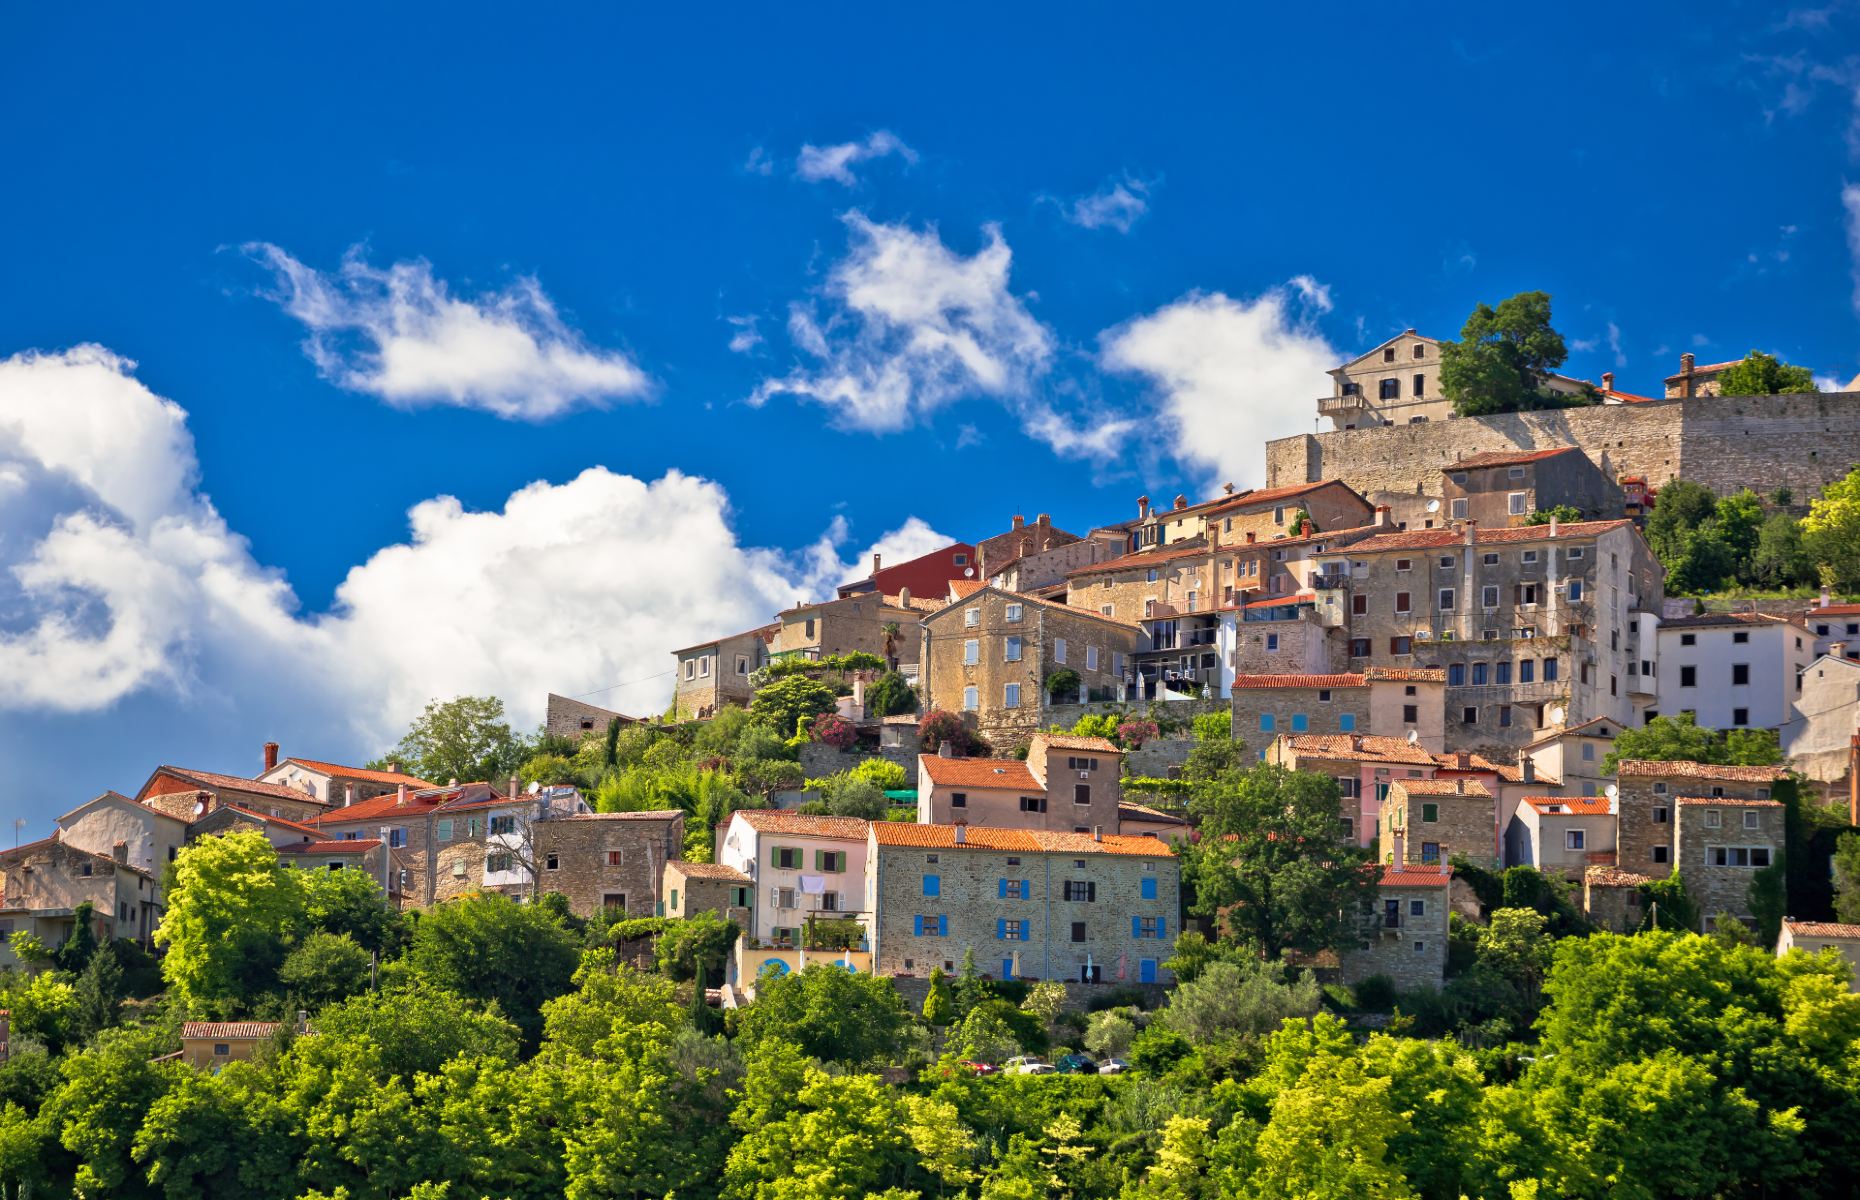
<point>1506,458</point>
<point>1415,875</point>
<point>1570,730</point>
<point>1300,681</point>
<point>228,1029</point>
<point>266,818</point>
<point>1824,929</point>
<point>1613,877</point>
<point>1726,802</point>
<point>328,768</point>
<point>333,846</point>
<point>1577,806</point>
<point>212,780</point>
<point>1834,610</point>
<point>1642,768</point>
<point>1441,787</point>
<point>1029,841</point>
<point>691,870</point>
<point>776,820</point>
<point>1358,747</point>
<point>647,814</point>
<point>1698,370</point>
<point>1422,539</point>
<point>766,632</point>
<point>1708,620</point>
<point>1053,605</point>
<point>962,589</point>
<point>1278,495</point>
<point>1129,810</point>
<point>1282,601</point>
<point>1144,558</point>
<point>1406,674</point>
<point>1006,774</point>
<point>1071,741</point>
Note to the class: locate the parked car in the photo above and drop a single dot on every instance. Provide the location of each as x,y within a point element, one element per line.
<point>1113,1066</point>
<point>1027,1064</point>
<point>980,1068</point>
<point>1076,1064</point>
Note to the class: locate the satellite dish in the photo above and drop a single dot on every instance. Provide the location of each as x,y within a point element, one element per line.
<point>1414,735</point>
<point>1433,506</point>
<point>1614,793</point>
<point>968,572</point>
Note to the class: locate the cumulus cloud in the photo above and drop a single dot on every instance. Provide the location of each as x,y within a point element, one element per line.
<point>400,334</point>
<point>117,576</point>
<point>818,164</point>
<point>1118,204</point>
<point>904,324</point>
<point>1228,373</point>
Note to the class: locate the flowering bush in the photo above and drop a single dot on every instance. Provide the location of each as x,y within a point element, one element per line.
<point>834,730</point>
<point>1134,733</point>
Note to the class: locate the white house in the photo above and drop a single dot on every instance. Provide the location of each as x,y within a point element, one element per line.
<point>1819,736</point>
<point>1732,670</point>
<point>801,866</point>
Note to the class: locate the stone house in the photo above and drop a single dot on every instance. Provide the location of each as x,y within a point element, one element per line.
<point>1265,515</point>
<point>990,652</point>
<point>277,830</point>
<point>1364,767</point>
<point>330,783</point>
<point>1067,784</point>
<point>1574,756</point>
<point>1721,843</point>
<point>1020,540</point>
<point>1646,805</point>
<point>210,1045</point>
<point>1508,782</point>
<point>566,717</point>
<point>1141,820</point>
<point>1819,738</point>
<point>1560,835</point>
<point>1380,701</point>
<point>1502,488</point>
<point>1732,670</point>
<point>368,855</point>
<point>436,856</point>
<point>1027,903</point>
<point>1836,627</point>
<point>1612,898</point>
<point>1156,527</point>
<point>1407,939</point>
<point>1396,383</point>
<point>1169,593</point>
<point>713,674</point>
<point>1693,380</point>
<point>803,868</point>
<point>690,888</point>
<point>151,837</point>
<point>1279,635</point>
<point>1041,570</point>
<point>926,575</point>
<point>607,862</point>
<point>1812,937</point>
<point>848,625</point>
<point>1427,821</point>
<point>189,795</point>
<point>43,883</point>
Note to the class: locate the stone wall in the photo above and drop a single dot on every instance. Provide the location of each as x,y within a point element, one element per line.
<point>1079,996</point>
<point>1801,442</point>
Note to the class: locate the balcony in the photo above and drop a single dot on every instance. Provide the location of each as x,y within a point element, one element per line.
<point>1340,408</point>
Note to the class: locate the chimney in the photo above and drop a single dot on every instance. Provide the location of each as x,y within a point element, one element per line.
<point>1553,524</point>
<point>393,768</point>
<point>1837,649</point>
<point>1527,768</point>
<point>1043,520</point>
<point>516,786</point>
<point>348,794</point>
<point>400,795</point>
<point>1251,537</point>
<point>1018,521</point>
<point>1472,531</point>
<point>1462,760</point>
<point>119,852</point>
<point>1097,833</point>
<point>1608,381</point>
<point>1356,742</point>
<point>1382,516</point>
<point>1685,363</point>
<point>1227,489</point>
<point>875,562</point>
<point>962,833</point>
<point>1459,787</point>
<point>1181,501</point>
<point>947,749</point>
<point>271,755</point>
<point>1826,597</point>
<point>1143,506</point>
<point>904,597</point>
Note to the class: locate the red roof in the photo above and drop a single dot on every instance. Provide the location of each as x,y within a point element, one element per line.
<point>328,768</point>
<point>1277,495</point>
<point>1143,558</point>
<point>1441,787</point>
<point>1416,875</point>
<point>1407,674</point>
<point>295,826</point>
<point>1505,458</point>
<point>1701,370</point>
<point>228,1029</point>
<point>1613,877</point>
<point>1425,539</point>
<point>1300,681</point>
<point>1005,774</point>
<point>214,781</point>
<point>1833,610</point>
<point>1644,768</point>
<point>1070,741</point>
<point>691,870</point>
<point>335,846</point>
<point>766,632</point>
<point>1030,841</point>
<point>1833,930</point>
<point>1358,747</point>
<point>1577,806</point>
<point>1282,601</point>
<point>776,820</point>
<point>1726,802</point>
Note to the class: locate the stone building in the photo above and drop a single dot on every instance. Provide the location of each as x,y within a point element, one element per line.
<point>690,888</point>
<point>862,623</point>
<point>1407,939</point>
<point>189,795</point>
<point>1560,835</point>
<point>1268,514</point>
<point>210,1045</point>
<point>435,837</point>
<point>1045,571</point>
<point>608,862</point>
<point>802,868</point>
<point>151,837</point>
<point>1499,489</point>
<point>1812,937</point>
<point>1646,801</point>
<point>1694,380</point>
<point>1029,904</point>
<point>1612,898</point>
<point>1365,768</point>
<point>566,717</point>
<point>331,783</point>
<point>367,855</point>
<point>1574,755</point>
<point>1067,784</point>
<point>1021,540</point>
<point>1396,383</point>
<point>1732,670</point>
<point>1381,701</point>
<point>1721,843</point>
<point>713,674</point>
<point>1428,821</point>
<point>990,652</point>
<point>1820,736</point>
<point>43,883</point>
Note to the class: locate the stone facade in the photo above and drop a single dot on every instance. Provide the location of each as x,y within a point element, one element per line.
<point>1068,784</point>
<point>1016,642</point>
<point>1383,702</point>
<point>1407,941</point>
<point>1020,540</point>
<point>189,794</point>
<point>713,674</point>
<point>1365,768</point>
<point>151,838</point>
<point>1646,805</point>
<point>1569,761</point>
<point>1500,490</point>
<point>1612,899</point>
<point>1801,442</point>
<point>1031,904</point>
<point>690,888</point>
<point>576,719</point>
<point>608,862</point>
<point>1396,383</point>
<point>1722,844</point>
<point>43,882</point>
<point>853,624</point>
<point>1820,741</point>
<point>1427,821</point>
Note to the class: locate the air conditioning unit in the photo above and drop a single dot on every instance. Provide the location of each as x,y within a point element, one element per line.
<point>1084,774</point>
<point>1423,635</point>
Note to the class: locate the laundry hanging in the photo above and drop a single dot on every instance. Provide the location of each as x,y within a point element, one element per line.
<point>813,885</point>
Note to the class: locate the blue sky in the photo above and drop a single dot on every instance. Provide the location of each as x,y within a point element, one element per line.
<point>1005,259</point>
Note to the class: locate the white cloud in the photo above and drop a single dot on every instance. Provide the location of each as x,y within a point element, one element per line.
<point>1228,374</point>
<point>816,164</point>
<point>747,337</point>
<point>1850,201</point>
<point>759,162</point>
<point>398,333</point>
<point>1614,344</point>
<point>911,324</point>
<point>1097,436</point>
<point>1118,204</point>
<point>117,577</point>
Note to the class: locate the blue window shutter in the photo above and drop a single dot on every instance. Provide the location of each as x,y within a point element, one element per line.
<point>1149,889</point>
<point>917,926</point>
<point>1001,929</point>
<point>933,885</point>
<point>1004,889</point>
<point>1162,926</point>
<point>942,926</point>
<point>1136,927</point>
<point>1026,890</point>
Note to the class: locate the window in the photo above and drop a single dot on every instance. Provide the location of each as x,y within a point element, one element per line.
<point>959,799</point>
<point>1010,696</point>
<point>1012,931</point>
<point>1446,562</point>
<point>1359,605</point>
<point>1013,612</point>
<point>1501,673</point>
<point>1515,504</point>
<point>1575,552</point>
<point>1082,891</point>
<point>1504,716</point>
<point>1148,927</point>
<point>1456,674</point>
<point>458,869</point>
<point>1091,658</point>
<point>1401,645</point>
<point>1012,652</point>
<point>1059,649</point>
<point>1346,723</point>
<point>1388,354</point>
<point>1410,714</point>
<point>221,1050</point>
<point>1420,385</point>
<point>1402,602</point>
<point>1575,589</point>
<point>1488,596</point>
<point>830,861</point>
<point>924,925</point>
<point>1272,641</point>
<point>552,862</point>
<point>1713,818</point>
<point>1688,639</point>
<point>1430,852</point>
<point>1078,931</point>
<point>1549,670</point>
<point>1688,676</point>
<point>1300,723</point>
<point>503,824</point>
<point>1459,509</point>
<point>1446,599</point>
<point>1750,818</point>
<point>784,858</point>
<point>690,668</point>
<point>1738,856</point>
<point>614,858</point>
<point>810,627</point>
<point>1081,793</point>
<point>1741,637</point>
<point>496,862</point>
<point>1430,813</point>
<point>1661,854</point>
<point>1013,889</point>
<point>704,667</point>
<point>1479,672</point>
<point>1033,804</point>
<point>971,699</point>
<point>444,830</point>
<point>1740,716</point>
<point>1661,814</point>
<point>1573,839</point>
<point>1740,674</point>
<point>1265,723</point>
<point>1469,715</point>
<point>1359,647</point>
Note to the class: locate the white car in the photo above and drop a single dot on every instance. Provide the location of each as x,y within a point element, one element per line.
<point>1113,1066</point>
<point>1026,1064</point>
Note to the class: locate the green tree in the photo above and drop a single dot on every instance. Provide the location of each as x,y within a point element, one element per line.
<point>463,738</point>
<point>1679,738</point>
<point>106,1091</point>
<point>1239,997</point>
<point>828,1012</point>
<point>1679,509</point>
<point>1780,561</point>
<point>1557,512</point>
<point>1271,863</point>
<point>1831,532</point>
<point>98,992</point>
<point>939,1004</point>
<point>221,1136</point>
<point>325,968</point>
<point>1738,519</point>
<point>984,1035</point>
<point>788,702</point>
<point>350,903</point>
<point>411,1028</point>
<point>1847,879</point>
<point>889,695</point>
<point>845,1138</point>
<point>850,795</point>
<point>224,927</point>
<point>1502,358</point>
<point>490,948</point>
<point>1109,1031</point>
<point>1760,374</point>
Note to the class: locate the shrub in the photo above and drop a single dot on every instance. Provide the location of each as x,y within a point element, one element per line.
<point>882,773</point>
<point>1376,993</point>
<point>1214,727</point>
<point>1133,733</point>
<point>939,726</point>
<point>834,730</point>
<point>1063,681</point>
<point>889,695</point>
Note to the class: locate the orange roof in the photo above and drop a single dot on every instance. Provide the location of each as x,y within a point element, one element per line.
<point>1300,681</point>
<point>1727,802</point>
<point>1071,741</point>
<point>1568,730</point>
<point>328,768</point>
<point>334,846</point>
<point>691,870</point>
<point>228,1029</point>
<point>1461,761</point>
<point>1275,495</point>
<point>766,632</point>
<point>1505,458</point>
<point>1423,539</point>
<point>298,826</point>
<point>1027,841</point>
<point>1282,601</point>
<point>1358,747</point>
<point>1823,929</point>
<point>1641,767</point>
<point>1053,605</point>
<point>962,589</point>
<point>777,820</point>
<point>1407,674</point>
<point>1577,806</point>
<point>1613,877</point>
<point>1441,787</point>
<point>1007,774</point>
<point>1700,370</point>
<point>1413,875</point>
<point>212,780</point>
<point>1833,610</point>
<point>1143,558</point>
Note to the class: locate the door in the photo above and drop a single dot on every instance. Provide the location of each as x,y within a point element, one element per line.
<point>1007,968</point>
<point>1091,974</point>
<point>1146,971</point>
